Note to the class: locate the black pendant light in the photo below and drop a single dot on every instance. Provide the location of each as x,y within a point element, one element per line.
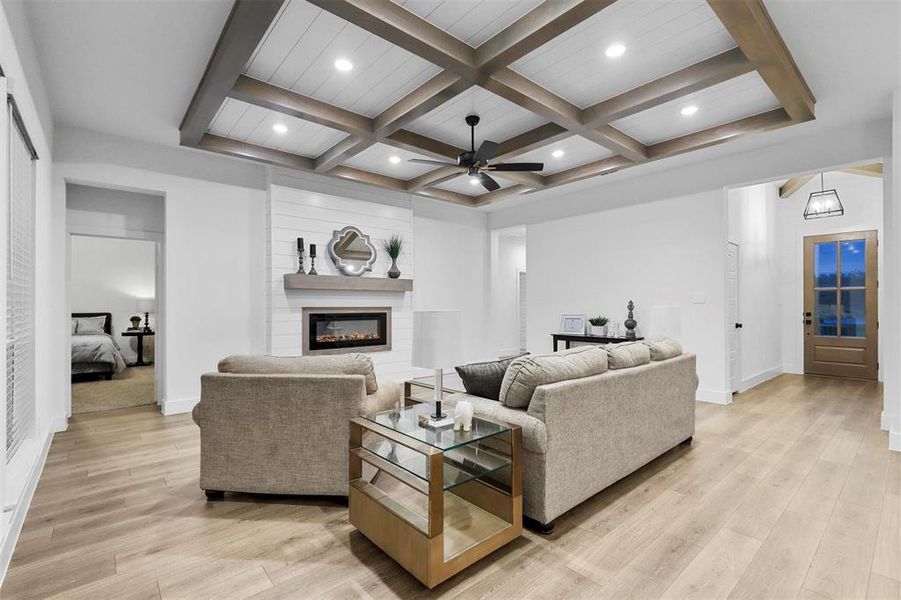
<point>824,203</point>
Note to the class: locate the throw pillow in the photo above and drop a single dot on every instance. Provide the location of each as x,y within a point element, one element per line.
<point>90,325</point>
<point>626,355</point>
<point>663,348</point>
<point>341,364</point>
<point>484,378</point>
<point>528,372</point>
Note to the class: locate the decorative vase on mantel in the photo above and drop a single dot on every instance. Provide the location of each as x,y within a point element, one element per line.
<point>393,272</point>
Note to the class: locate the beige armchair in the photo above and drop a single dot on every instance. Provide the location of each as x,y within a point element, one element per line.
<point>282,433</point>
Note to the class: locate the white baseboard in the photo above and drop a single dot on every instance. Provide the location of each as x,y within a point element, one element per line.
<point>885,422</point>
<point>21,508</point>
<point>174,407</point>
<point>894,441</point>
<point>755,380</point>
<point>59,424</point>
<point>713,396</point>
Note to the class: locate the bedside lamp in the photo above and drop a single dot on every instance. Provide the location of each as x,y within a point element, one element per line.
<point>146,306</point>
<point>438,343</point>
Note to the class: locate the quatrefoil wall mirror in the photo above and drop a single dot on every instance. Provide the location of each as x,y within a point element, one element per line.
<point>351,251</point>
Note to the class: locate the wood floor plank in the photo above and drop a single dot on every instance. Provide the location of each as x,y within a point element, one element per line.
<point>118,513</point>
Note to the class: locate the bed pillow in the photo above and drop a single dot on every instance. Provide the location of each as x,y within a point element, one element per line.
<point>528,372</point>
<point>484,379</point>
<point>663,348</point>
<point>341,364</point>
<point>626,355</point>
<point>90,325</point>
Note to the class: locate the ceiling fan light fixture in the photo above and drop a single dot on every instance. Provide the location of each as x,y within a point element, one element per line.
<point>615,50</point>
<point>474,180</point>
<point>824,203</point>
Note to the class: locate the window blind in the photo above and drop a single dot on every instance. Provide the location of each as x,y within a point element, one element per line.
<point>20,267</point>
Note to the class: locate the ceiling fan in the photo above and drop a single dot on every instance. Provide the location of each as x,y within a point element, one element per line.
<point>476,162</point>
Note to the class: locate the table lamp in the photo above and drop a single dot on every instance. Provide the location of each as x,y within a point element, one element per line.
<point>437,344</point>
<point>146,306</point>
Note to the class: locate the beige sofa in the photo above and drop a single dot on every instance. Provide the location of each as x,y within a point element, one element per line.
<point>581,435</point>
<point>280,425</point>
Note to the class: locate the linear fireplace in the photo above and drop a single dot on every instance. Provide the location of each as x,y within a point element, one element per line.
<point>340,330</point>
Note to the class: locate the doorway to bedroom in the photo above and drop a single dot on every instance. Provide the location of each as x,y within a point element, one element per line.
<point>114,266</point>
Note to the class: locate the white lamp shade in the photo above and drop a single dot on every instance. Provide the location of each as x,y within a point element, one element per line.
<point>437,338</point>
<point>666,321</point>
<point>146,305</point>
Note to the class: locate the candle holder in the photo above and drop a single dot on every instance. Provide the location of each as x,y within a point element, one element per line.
<point>300,269</point>
<point>312,265</point>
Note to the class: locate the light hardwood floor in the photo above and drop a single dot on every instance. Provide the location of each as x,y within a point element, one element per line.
<point>788,493</point>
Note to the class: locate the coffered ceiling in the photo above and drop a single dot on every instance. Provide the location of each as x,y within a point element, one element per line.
<point>690,74</point>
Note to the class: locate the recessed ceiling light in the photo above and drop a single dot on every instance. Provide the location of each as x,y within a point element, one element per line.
<point>689,110</point>
<point>280,128</point>
<point>615,50</point>
<point>342,64</point>
<point>474,180</point>
<point>557,153</point>
<point>394,159</point>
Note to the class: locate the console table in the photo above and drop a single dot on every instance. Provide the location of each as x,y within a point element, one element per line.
<point>139,333</point>
<point>569,338</point>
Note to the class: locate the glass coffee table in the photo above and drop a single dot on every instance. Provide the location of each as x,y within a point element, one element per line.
<point>442,499</point>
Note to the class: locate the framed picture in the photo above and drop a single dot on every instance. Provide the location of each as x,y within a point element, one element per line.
<point>572,324</point>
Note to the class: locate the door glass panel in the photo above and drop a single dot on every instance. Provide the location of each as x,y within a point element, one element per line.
<point>826,313</point>
<point>854,313</point>
<point>854,263</point>
<point>824,265</point>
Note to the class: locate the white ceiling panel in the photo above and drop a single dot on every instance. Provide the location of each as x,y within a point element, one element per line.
<point>377,159</point>
<point>241,121</point>
<point>660,36</point>
<point>473,21</point>
<point>302,45</point>
<point>576,151</point>
<point>500,119</point>
<point>734,99</point>
<point>462,184</point>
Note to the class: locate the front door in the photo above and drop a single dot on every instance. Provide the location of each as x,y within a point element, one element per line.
<point>840,326</point>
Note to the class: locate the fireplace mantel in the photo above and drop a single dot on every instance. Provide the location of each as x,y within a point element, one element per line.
<point>333,282</point>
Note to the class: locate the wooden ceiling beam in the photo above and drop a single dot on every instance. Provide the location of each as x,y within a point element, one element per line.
<point>793,185</point>
<point>287,102</point>
<point>497,195</point>
<point>341,152</point>
<point>750,25</point>
<point>421,144</point>
<point>767,121</point>
<point>533,139</point>
<point>539,26</point>
<point>449,196</point>
<point>699,76</point>
<point>433,177</point>
<point>245,27</point>
<point>871,170</point>
<point>525,178</point>
<point>430,95</point>
<point>391,183</point>
<point>223,145</point>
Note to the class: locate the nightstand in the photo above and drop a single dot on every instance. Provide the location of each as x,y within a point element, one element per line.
<point>139,333</point>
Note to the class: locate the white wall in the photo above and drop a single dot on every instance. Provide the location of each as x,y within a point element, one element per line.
<point>666,253</point>
<point>508,258</point>
<point>213,297</point>
<point>110,275</point>
<point>753,226</point>
<point>51,351</point>
<point>862,198</point>
<point>115,213</point>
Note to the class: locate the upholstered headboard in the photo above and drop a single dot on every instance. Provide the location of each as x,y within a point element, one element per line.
<point>107,324</point>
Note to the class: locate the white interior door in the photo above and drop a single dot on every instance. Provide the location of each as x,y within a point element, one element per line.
<point>733,325</point>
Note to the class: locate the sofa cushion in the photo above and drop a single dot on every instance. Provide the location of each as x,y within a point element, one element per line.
<point>528,372</point>
<point>484,378</point>
<point>663,348</point>
<point>340,364</point>
<point>534,432</point>
<point>626,355</point>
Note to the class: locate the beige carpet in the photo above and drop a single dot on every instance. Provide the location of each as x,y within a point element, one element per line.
<point>132,387</point>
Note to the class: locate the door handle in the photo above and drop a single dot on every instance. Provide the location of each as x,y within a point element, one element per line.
<point>807,321</point>
<point>738,325</point>
<point>807,314</point>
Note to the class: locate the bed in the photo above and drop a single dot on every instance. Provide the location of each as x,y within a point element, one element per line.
<point>95,352</point>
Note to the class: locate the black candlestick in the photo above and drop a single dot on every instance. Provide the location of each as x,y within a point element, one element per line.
<point>312,250</point>
<point>300,269</point>
<point>300,244</point>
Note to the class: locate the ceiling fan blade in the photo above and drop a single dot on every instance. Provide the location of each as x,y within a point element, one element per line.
<point>517,167</point>
<point>485,152</point>
<point>426,161</point>
<point>488,183</point>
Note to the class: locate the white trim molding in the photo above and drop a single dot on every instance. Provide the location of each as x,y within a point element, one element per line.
<point>894,441</point>
<point>722,397</point>
<point>755,380</point>
<point>175,407</point>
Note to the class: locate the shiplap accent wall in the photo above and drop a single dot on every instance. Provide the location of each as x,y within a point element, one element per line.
<point>294,213</point>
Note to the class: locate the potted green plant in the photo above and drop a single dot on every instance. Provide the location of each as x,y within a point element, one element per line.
<point>598,326</point>
<point>135,322</point>
<point>393,246</point>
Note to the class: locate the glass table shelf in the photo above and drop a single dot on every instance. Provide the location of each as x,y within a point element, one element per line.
<point>406,422</point>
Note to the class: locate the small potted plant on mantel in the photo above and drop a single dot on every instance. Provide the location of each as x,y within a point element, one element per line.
<point>598,326</point>
<point>393,246</point>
